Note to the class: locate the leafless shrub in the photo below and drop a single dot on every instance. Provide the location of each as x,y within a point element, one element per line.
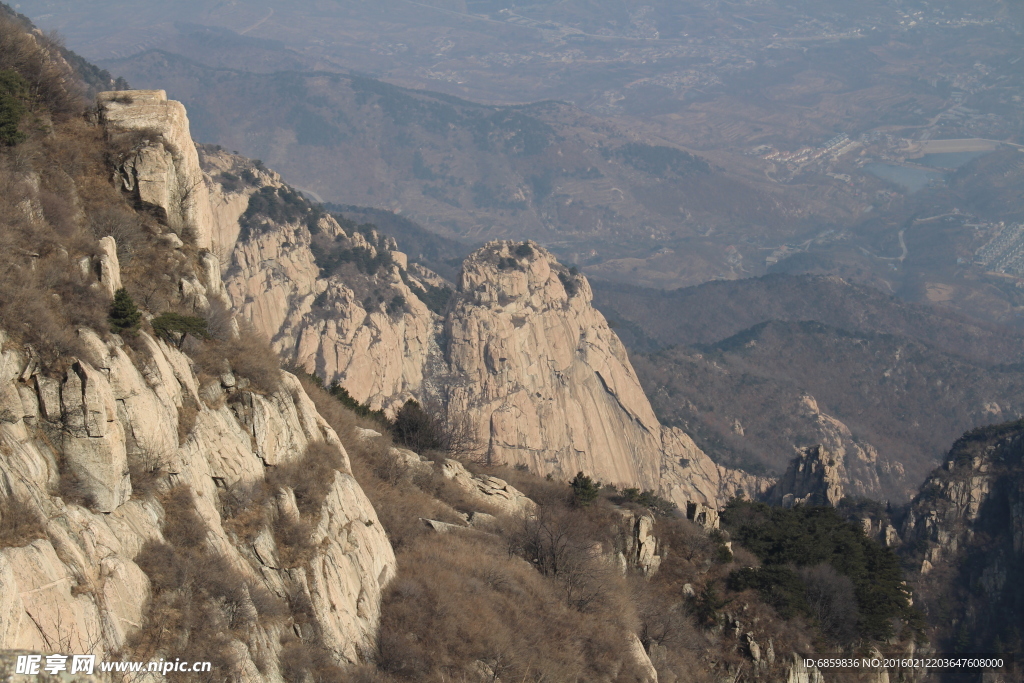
<point>310,477</point>
<point>71,488</point>
<point>307,662</point>
<point>219,321</point>
<point>830,596</point>
<point>188,413</point>
<point>59,213</point>
<point>568,545</point>
<point>294,541</point>
<point>243,510</point>
<point>145,472</point>
<point>183,526</point>
<point>52,82</point>
<point>124,225</point>
<point>200,602</point>
<point>20,523</point>
<point>249,356</point>
<point>461,601</point>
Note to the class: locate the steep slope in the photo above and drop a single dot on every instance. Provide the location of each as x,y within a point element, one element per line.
<point>889,403</point>
<point>965,534</point>
<point>123,455</point>
<point>548,384</point>
<point>336,300</point>
<point>341,302</point>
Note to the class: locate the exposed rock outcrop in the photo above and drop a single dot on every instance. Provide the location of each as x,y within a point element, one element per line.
<point>340,328</point>
<point>799,672</point>
<point>858,464</point>
<point>641,545</point>
<point>812,478</point>
<point>160,164</point>
<point>702,515</point>
<point>76,586</point>
<point>965,530</point>
<point>522,353</point>
<point>491,491</point>
<point>547,384</point>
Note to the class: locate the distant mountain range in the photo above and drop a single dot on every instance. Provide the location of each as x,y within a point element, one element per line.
<point>756,367</point>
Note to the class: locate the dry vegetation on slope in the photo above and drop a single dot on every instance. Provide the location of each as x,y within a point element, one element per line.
<point>544,598</point>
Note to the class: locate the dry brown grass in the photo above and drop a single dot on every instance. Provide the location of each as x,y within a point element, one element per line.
<point>70,488</point>
<point>200,602</point>
<point>247,509</point>
<point>53,85</point>
<point>20,523</point>
<point>398,501</point>
<point>249,356</point>
<point>462,600</point>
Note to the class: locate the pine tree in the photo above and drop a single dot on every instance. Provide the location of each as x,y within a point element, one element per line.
<point>124,314</point>
<point>13,93</point>
<point>584,490</point>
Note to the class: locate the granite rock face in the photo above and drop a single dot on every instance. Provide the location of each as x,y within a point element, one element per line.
<point>520,354</point>
<point>159,163</point>
<point>340,327</point>
<point>814,477</point>
<point>77,581</point>
<point>491,491</point>
<point>965,533</point>
<point>547,384</point>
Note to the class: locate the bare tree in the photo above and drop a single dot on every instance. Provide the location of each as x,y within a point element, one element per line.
<point>556,542</point>
<point>831,598</point>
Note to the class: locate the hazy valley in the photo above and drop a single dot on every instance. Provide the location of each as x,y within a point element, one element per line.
<point>819,125</point>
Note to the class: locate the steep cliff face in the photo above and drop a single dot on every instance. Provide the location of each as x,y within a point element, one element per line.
<point>547,384</point>
<point>121,465</point>
<point>965,531</point>
<point>520,351</point>
<point>159,163</point>
<point>76,585</point>
<point>814,477</point>
<point>328,317</point>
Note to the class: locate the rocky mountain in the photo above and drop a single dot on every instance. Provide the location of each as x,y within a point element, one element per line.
<point>548,384</point>
<point>518,351</point>
<point>884,385</point>
<point>118,452</point>
<point>166,489</point>
<point>965,534</point>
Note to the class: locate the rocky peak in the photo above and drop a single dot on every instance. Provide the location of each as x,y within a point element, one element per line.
<point>965,531</point>
<point>520,351</point>
<point>814,477</point>
<point>520,275</point>
<point>547,384</point>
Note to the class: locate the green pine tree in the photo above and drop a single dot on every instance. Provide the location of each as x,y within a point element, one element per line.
<point>124,314</point>
<point>13,93</point>
<point>584,490</point>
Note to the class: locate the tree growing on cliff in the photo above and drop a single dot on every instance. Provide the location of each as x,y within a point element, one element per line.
<point>124,314</point>
<point>416,429</point>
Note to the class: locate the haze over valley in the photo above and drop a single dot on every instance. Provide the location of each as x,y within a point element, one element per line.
<point>817,127</point>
